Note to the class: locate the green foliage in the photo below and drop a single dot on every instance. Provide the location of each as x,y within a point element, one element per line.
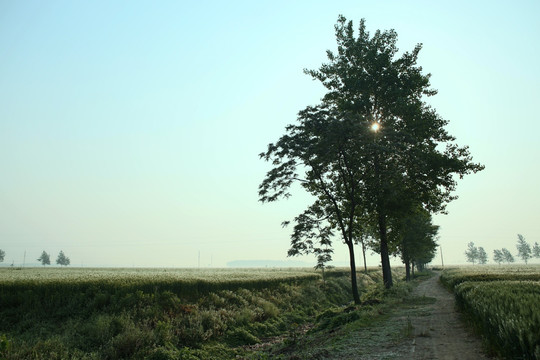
<point>471,253</point>
<point>476,254</point>
<point>502,255</point>
<point>62,259</point>
<point>524,249</point>
<point>415,238</point>
<point>536,250</point>
<point>498,256</point>
<point>5,346</point>
<point>482,256</point>
<point>333,318</point>
<point>44,259</point>
<point>240,336</point>
<point>507,255</point>
<point>114,314</point>
<point>357,173</point>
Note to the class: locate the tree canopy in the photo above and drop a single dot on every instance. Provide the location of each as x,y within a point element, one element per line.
<point>524,249</point>
<point>498,256</point>
<point>358,172</point>
<point>507,255</point>
<point>414,236</point>
<point>536,250</point>
<point>44,259</point>
<point>482,256</point>
<point>471,253</point>
<point>62,259</point>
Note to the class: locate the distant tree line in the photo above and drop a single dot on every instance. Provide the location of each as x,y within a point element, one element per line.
<point>525,252</point>
<point>45,258</point>
<point>62,259</point>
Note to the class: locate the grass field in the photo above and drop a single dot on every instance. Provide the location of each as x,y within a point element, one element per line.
<point>73,274</point>
<point>71,313</point>
<point>185,283</point>
<point>503,303</point>
<point>80,313</point>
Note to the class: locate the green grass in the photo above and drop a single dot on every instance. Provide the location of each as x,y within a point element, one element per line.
<point>351,332</point>
<point>70,313</point>
<point>155,313</point>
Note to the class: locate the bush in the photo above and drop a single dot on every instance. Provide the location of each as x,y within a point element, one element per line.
<point>241,336</point>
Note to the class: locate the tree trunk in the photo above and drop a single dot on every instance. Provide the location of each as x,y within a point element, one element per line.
<point>364,254</point>
<point>381,214</point>
<point>354,284</point>
<point>385,258</point>
<point>407,270</point>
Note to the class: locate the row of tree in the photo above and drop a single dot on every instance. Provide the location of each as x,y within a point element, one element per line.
<point>525,252</point>
<point>62,259</point>
<point>45,258</point>
<point>373,154</point>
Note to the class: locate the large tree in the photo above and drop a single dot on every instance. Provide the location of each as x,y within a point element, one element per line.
<point>372,146</point>
<point>2,255</point>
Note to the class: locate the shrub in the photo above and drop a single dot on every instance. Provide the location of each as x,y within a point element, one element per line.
<point>240,336</point>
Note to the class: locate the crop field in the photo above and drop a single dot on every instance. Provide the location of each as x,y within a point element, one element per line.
<point>503,303</point>
<point>82,313</point>
<point>140,274</point>
<point>186,283</point>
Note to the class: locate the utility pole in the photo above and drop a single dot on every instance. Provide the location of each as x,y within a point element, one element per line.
<point>442,260</point>
<point>199,260</point>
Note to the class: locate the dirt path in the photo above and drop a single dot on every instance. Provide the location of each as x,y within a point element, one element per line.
<point>439,333</point>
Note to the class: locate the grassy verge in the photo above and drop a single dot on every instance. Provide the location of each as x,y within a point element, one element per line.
<point>59,314</point>
<point>379,326</point>
<point>146,316</point>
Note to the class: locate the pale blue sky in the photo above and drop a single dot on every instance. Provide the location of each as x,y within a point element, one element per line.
<point>130,131</point>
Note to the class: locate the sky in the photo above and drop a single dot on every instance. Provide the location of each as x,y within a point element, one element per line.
<point>130,130</point>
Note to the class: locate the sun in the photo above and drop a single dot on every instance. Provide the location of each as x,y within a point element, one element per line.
<point>375,126</point>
